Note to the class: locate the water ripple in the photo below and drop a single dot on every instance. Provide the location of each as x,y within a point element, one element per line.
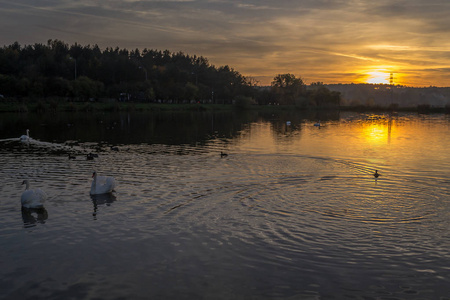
<point>265,223</point>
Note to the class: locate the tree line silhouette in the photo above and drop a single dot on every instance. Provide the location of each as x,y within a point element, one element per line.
<point>80,73</point>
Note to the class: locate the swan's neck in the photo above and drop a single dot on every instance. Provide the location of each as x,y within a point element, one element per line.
<point>27,185</point>
<point>28,133</point>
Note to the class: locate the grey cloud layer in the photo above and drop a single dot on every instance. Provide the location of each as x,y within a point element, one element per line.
<point>309,37</point>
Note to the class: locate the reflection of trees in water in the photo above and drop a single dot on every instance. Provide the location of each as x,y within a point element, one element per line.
<point>32,216</point>
<point>102,199</point>
<point>168,128</point>
<point>297,118</point>
<point>188,128</point>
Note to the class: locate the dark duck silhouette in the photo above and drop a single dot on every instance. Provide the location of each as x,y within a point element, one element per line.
<point>376,174</point>
<point>223,154</point>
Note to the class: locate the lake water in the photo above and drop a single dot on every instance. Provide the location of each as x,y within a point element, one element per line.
<point>293,211</point>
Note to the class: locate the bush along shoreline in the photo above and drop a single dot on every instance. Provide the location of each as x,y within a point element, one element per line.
<point>55,105</point>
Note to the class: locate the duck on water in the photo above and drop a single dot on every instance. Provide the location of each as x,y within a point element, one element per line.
<point>376,174</point>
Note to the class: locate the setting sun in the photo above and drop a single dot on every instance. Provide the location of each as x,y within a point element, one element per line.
<point>378,77</point>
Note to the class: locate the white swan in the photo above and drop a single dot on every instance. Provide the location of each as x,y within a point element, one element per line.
<point>25,138</point>
<point>102,184</point>
<point>32,198</point>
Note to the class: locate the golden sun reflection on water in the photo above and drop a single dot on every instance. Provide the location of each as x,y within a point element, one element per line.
<point>379,141</point>
<point>377,132</point>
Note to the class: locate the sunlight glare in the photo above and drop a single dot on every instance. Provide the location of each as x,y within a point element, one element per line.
<point>378,77</point>
<point>376,133</point>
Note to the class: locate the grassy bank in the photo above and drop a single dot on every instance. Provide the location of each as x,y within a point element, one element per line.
<point>52,106</point>
<point>58,106</point>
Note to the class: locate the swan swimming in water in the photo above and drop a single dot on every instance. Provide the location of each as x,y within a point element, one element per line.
<point>25,138</point>
<point>32,198</point>
<point>102,184</point>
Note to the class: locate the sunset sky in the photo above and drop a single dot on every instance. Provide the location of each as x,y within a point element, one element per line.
<point>333,41</point>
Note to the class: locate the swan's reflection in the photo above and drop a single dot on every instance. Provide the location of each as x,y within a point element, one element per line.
<point>32,216</point>
<point>102,199</point>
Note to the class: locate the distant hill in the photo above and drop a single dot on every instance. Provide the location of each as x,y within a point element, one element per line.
<point>385,95</point>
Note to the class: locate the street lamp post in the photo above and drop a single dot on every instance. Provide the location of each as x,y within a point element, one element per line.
<point>75,66</point>
<point>145,70</point>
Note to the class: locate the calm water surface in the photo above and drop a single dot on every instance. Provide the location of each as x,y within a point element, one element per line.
<point>293,212</point>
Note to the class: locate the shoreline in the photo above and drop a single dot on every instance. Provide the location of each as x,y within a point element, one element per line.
<point>54,106</point>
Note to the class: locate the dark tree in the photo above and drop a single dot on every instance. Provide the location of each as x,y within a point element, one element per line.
<point>288,88</point>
